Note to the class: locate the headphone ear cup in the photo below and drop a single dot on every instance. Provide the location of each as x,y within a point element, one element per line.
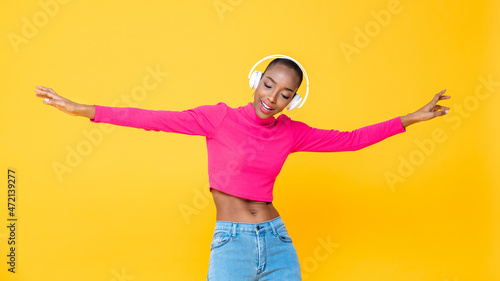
<point>296,100</point>
<point>255,79</point>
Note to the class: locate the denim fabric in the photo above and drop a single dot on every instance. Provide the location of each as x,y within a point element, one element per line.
<point>247,251</point>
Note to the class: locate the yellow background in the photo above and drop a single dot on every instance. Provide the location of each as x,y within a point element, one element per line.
<point>120,212</point>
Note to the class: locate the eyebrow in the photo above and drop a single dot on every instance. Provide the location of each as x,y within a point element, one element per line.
<point>288,89</point>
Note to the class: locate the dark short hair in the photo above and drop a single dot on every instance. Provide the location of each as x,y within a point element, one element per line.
<point>288,63</point>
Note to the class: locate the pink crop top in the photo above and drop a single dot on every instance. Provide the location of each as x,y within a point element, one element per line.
<point>246,153</point>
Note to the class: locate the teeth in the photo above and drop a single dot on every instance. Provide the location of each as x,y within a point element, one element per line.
<point>266,107</point>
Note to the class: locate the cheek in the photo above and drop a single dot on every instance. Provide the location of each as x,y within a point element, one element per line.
<point>283,104</point>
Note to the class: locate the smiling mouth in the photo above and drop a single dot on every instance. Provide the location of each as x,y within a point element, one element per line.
<point>266,107</point>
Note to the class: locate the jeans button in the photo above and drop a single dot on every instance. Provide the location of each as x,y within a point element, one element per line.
<point>258,227</point>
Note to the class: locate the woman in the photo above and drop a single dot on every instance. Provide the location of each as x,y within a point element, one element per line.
<point>247,146</point>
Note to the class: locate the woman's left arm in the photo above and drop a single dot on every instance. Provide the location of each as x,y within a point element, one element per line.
<point>307,138</point>
<point>429,111</point>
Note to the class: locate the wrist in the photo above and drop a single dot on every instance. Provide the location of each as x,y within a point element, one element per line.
<point>86,111</point>
<point>407,120</point>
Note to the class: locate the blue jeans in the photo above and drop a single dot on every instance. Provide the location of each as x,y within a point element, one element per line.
<point>248,251</point>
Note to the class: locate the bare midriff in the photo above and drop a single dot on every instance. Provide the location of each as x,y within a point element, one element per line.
<point>236,209</point>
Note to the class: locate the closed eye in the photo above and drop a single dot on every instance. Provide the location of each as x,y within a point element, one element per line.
<point>269,87</point>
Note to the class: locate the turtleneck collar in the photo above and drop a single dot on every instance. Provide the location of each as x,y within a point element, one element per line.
<point>250,112</point>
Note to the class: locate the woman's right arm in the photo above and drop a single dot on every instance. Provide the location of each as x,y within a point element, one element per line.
<point>69,107</point>
<point>202,120</point>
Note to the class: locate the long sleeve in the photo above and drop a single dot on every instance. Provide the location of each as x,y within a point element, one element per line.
<point>202,120</point>
<point>320,140</point>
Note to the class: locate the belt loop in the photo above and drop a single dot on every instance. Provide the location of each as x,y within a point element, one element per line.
<point>233,232</point>
<point>273,228</point>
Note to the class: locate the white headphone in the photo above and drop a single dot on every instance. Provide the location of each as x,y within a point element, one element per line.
<point>255,77</point>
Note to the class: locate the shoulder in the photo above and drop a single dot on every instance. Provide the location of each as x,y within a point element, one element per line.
<point>294,126</point>
<point>285,119</point>
<point>214,112</point>
<point>212,106</point>
<point>219,107</point>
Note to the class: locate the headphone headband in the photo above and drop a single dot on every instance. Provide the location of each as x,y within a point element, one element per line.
<point>285,57</point>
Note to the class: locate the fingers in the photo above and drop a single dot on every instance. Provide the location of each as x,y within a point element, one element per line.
<point>52,102</point>
<point>430,115</point>
<point>439,96</point>
<point>440,108</point>
<point>432,109</point>
<point>48,94</point>
<point>56,103</point>
<point>440,113</point>
<point>51,98</point>
<point>431,106</point>
<point>45,91</point>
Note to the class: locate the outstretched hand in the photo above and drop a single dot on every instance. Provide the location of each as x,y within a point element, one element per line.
<point>429,111</point>
<point>63,104</point>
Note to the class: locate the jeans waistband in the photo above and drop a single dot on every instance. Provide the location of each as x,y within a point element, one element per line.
<point>234,227</point>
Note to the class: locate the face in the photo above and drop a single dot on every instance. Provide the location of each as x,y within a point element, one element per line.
<point>275,91</point>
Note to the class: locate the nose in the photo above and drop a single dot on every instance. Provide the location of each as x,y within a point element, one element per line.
<point>272,97</point>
